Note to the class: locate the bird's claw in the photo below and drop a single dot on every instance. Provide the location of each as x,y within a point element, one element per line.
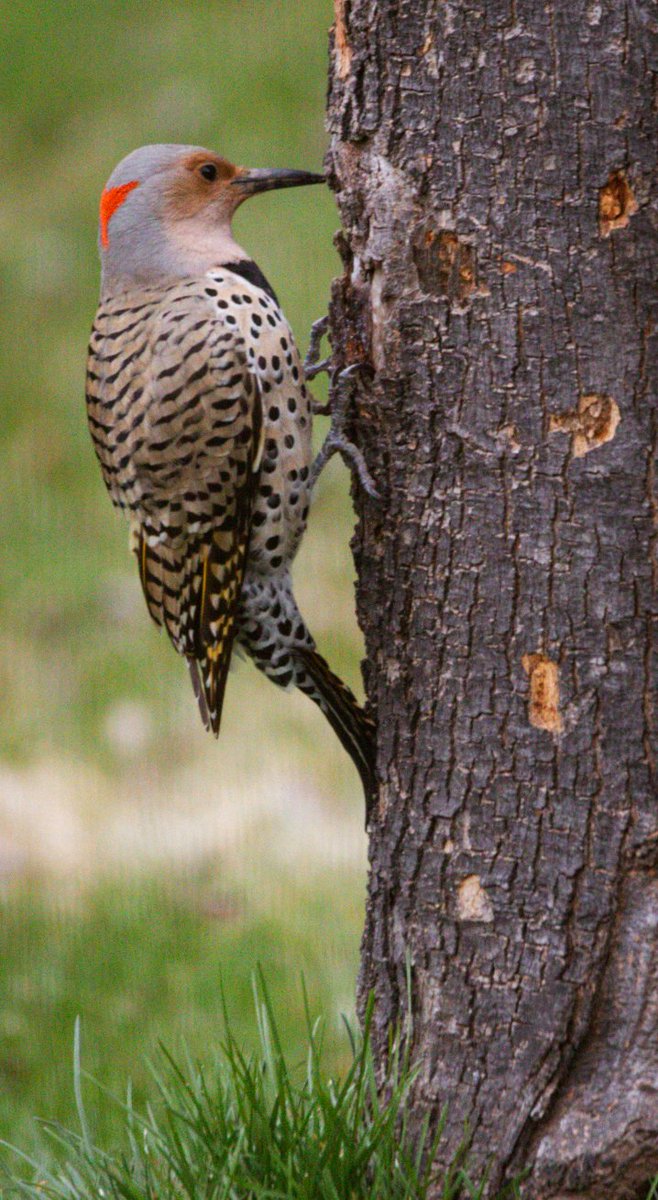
<point>336,443</point>
<point>336,440</point>
<point>313,365</point>
<point>317,368</point>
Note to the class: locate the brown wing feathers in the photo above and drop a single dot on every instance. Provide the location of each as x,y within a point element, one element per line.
<point>177,423</point>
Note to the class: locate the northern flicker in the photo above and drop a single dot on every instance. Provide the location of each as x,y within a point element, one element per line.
<point>201,419</point>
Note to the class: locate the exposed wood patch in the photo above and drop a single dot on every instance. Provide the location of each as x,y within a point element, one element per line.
<point>473,904</point>
<point>544,706</point>
<point>616,203</point>
<point>427,44</point>
<point>343,48</point>
<point>591,425</point>
<point>510,434</point>
<point>445,264</point>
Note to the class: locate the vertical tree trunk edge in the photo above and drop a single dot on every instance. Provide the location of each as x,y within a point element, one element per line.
<point>494,167</point>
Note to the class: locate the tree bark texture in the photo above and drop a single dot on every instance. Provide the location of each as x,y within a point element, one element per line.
<point>493,165</point>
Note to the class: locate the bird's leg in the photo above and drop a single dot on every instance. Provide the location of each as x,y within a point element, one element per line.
<point>336,440</point>
<point>312,364</point>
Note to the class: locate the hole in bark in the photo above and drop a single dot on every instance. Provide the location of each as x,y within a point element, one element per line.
<point>592,424</point>
<point>616,203</point>
<point>544,701</point>
<point>445,264</point>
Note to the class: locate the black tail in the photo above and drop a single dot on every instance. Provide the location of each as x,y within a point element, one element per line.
<point>349,722</point>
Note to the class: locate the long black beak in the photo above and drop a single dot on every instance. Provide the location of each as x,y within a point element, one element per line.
<point>263,180</point>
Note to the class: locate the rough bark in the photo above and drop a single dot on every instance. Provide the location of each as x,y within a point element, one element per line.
<point>493,168</point>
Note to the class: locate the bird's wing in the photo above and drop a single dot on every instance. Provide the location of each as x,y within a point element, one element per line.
<point>184,455</point>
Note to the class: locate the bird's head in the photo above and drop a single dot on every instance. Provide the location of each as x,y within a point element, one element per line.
<point>166,212</point>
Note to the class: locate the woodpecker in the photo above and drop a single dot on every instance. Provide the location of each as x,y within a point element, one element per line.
<point>201,420</point>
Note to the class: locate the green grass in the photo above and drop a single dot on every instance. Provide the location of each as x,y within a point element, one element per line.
<point>285,1120</point>
<point>257,1126</point>
<point>142,963</point>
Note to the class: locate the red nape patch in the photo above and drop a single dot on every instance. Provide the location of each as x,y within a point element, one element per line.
<point>111,199</point>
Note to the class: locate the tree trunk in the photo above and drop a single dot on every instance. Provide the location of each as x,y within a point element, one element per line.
<point>492,162</point>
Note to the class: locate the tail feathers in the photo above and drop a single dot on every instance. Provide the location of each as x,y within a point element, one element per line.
<point>195,598</point>
<point>349,722</point>
<point>217,598</point>
<point>208,676</point>
<point>213,669</point>
<point>197,686</point>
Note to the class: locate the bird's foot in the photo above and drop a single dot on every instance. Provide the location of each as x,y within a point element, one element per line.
<point>336,440</point>
<point>313,364</point>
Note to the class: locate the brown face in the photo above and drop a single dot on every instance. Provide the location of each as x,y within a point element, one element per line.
<point>203,184</point>
<point>199,181</point>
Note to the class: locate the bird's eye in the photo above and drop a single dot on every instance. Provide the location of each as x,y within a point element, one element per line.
<point>209,171</point>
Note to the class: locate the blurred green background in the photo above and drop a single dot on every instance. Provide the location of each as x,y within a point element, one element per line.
<point>140,861</point>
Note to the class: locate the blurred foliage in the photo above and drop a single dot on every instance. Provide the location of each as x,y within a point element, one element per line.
<point>97,708</point>
<point>143,963</point>
<point>83,84</point>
